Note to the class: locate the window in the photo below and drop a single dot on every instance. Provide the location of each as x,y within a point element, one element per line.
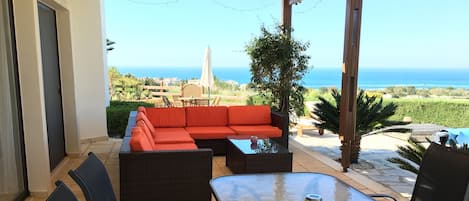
<point>12,171</point>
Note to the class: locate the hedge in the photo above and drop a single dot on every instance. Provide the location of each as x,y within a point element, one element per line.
<point>118,114</point>
<point>445,112</point>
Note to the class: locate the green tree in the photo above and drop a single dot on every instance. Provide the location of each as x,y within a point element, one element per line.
<point>109,44</point>
<point>278,63</point>
<point>372,115</point>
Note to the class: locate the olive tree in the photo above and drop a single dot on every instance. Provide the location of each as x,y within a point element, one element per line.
<point>278,63</point>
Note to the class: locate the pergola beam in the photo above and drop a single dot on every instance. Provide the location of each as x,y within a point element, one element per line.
<point>348,102</point>
<point>286,16</point>
<point>349,72</point>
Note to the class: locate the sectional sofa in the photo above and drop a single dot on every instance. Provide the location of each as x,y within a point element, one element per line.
<point>167,153</point>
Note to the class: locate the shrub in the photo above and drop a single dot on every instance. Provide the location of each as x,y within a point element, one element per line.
<point>450,113</point>
<point>118,114</point>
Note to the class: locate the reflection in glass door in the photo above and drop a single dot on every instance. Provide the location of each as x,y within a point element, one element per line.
<point>12,171</point>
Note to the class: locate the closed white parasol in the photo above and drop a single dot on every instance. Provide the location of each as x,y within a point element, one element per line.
<point>206,79</point>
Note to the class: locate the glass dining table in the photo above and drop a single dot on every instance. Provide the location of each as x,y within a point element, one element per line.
<point>292,186</point>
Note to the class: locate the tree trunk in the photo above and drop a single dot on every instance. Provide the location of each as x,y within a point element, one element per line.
<point>355,150</point>
<point>285,104</point>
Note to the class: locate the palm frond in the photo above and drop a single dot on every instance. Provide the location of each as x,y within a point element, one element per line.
<point>403,164</point>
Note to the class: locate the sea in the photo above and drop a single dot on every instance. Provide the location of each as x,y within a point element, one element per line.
<point>317,77</point>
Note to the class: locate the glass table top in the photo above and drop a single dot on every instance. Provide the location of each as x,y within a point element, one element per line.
<point>261,146</point>
<point>284,186</point>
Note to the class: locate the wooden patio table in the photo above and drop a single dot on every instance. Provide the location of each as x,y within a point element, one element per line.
<point>291,186</point>
<point>193,101</point>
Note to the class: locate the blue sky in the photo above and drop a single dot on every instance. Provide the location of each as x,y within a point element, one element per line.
<point>397,33</point>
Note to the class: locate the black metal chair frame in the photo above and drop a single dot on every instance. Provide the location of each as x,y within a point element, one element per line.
<point>443,176</point>
<point>93,180</point>
<point>61,193</point>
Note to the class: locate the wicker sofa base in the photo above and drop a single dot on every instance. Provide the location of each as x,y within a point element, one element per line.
<point>165,175</point>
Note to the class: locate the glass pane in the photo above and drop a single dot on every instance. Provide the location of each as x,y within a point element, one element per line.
<point>11,162</point>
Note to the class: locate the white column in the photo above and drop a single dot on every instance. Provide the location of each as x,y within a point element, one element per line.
<point>32,94</point>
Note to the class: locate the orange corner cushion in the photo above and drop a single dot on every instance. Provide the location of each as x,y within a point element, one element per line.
<point>167,117</point>
<point>207,116</point>
<point>142,117</point>
<point>142,109</point>
<point>207,133</point>
<point>258,130</point>
<point>249,115</point>
<point>141,124</point>
<point>171,135</point>
<point>138,141</point>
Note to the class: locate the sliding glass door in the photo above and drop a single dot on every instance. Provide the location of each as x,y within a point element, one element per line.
<point>12,165</point>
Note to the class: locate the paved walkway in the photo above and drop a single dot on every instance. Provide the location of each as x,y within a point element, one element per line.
<point>304,160</point>
<point>373,164</point>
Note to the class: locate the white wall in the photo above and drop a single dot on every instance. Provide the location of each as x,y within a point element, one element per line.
<point>89,61</point>
<point>82,66</point>
<point>32,94</point>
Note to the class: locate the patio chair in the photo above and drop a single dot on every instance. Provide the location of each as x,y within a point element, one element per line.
<point>216,101</point>
<point>443,176</point>
<point>191,90</point>
<point>166,102</point>
<point>176,101</point>
<point>61,193</point>
<point>93,180</point>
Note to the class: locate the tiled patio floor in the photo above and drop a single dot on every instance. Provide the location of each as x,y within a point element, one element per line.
<point>303,161</point>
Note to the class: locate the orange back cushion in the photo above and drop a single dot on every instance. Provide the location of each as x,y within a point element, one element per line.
<point>142,117</point>
<point>141,109</point>
<point>249,115</point>
<point>146,131</point>
<point>173,117</point>
<point>207,116</point>
<point>138,141</point>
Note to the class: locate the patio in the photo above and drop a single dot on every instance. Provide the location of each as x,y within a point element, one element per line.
<point>303,161</point>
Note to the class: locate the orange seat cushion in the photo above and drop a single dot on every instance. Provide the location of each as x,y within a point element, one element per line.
<point>138,141</point>
<point>171,135</point>
<point>249,115</point>
<point>210,132</point>
<point>173,117</point>
<point>177,146</point>
<point>146,131</point>
<point>259,130</point>
<point>207,116</point>
<point>142,117</point>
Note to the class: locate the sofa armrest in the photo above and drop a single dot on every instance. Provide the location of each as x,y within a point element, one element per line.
<point>281,121</point>
<point>165,175</point>
<point>130,123</point>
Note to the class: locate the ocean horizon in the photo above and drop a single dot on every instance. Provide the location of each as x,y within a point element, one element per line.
<point>317,77</point>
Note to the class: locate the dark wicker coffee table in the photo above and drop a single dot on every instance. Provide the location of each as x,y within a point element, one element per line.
<point>266,155</point>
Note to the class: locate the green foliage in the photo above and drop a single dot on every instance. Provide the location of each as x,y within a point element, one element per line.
<point>449,113</point>
<point>278,63</point>
<point>126,87</point>
<point>109,44</point>
<point>258,100</point>
<point>403,91</point>
<point>411,155</point>
<point>413,152</point>
<point>372,115</point>
<point>118,114</point>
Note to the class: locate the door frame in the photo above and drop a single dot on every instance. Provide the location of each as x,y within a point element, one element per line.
<point>57,151</point>
<point>21,145</point>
